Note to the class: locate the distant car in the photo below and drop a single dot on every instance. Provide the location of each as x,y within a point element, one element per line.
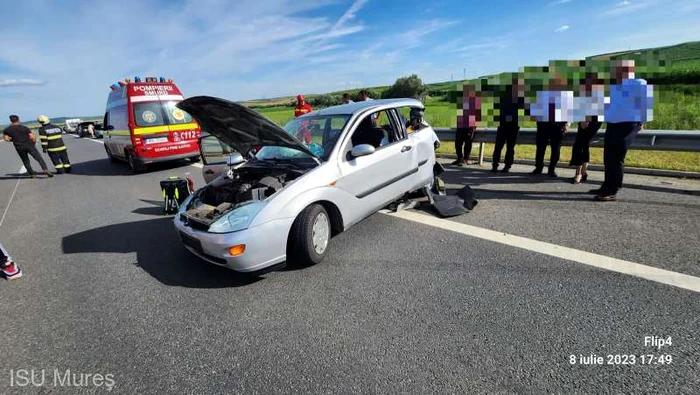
<point>82,129</point>
<point>284,192</point>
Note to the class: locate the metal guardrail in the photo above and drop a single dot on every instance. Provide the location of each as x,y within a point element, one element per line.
<point>662,140</point>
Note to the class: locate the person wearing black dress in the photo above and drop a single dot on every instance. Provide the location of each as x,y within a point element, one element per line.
<point>588,109</point>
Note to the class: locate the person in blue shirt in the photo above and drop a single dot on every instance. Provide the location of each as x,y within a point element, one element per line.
<point>631,105</point>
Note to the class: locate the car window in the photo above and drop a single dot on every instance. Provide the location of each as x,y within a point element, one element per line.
<point>175,115</point>
<point>374,129</point>
<point>214,150</point>
<point>118,118</point>
<point>148,114</point>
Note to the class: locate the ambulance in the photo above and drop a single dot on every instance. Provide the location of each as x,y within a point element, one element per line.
<point>143,126</point>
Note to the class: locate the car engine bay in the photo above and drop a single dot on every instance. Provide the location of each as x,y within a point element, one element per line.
<point>238,187</point>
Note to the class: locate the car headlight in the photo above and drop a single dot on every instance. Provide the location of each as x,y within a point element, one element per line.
<point>238,219</point>
<point>184,204</point>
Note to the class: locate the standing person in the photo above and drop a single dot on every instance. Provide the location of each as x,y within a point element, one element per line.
<point>9,268</point>
<point>52,142</point>
<point>552,110</point>
<point>24,142</point>
<point>508,125</point>
<point>589,109</point>
<point>346,98</point>
<point>466,124</point>
<point>364,95</point>
<point>631,105</point>
<point>91,130</point>
<point>302,107</point>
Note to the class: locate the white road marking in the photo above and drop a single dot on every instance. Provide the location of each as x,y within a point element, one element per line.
<point>199,165</point>
<point>600,261</point>
<point>21,171</point>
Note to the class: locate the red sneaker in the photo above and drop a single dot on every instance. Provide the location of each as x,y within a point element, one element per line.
<point>11,271</point>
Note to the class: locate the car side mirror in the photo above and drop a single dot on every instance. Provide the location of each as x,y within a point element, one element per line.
<point>234,159</point>
<point>362,150</point>
<point>109,127</point>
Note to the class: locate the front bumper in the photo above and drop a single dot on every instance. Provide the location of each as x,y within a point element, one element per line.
<point>266,245</point>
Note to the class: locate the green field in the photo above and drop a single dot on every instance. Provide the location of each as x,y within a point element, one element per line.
<point>676,107</point>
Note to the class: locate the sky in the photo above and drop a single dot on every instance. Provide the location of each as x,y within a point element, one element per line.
<point>59,58</point>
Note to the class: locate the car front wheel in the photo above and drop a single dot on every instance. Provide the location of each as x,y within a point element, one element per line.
<point>310,236</point>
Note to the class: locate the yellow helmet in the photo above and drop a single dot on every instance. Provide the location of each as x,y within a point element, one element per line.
<point>43,119</point>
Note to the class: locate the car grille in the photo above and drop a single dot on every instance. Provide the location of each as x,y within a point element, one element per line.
<point>191,242</point>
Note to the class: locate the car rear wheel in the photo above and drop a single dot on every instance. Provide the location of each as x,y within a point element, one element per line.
<point>195,159</point>
<point>135,167</point>
<point>310,236</point>
<point>109,155</point>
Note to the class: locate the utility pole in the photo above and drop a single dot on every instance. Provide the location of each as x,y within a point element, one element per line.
<point>464,71</point>
<point>451,77</point>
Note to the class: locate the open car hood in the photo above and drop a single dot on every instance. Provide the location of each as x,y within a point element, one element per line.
<point>238,126</point>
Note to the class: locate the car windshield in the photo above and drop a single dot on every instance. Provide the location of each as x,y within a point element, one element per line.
<point>318,133</point>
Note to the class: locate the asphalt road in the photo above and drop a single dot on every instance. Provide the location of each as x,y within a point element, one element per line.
<point>397,306</point>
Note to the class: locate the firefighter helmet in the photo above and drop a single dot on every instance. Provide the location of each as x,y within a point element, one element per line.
<point>43,119</point>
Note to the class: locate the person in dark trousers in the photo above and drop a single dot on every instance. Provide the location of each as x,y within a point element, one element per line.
<point>589,108</point>
<point>25,145</point>
<point>508,126</point>
<point>9,268</point>
<point>580,152</point>
<point>552,111</point>
<point>631,105</point>
<point>466,125</point>
<point>52,142</point>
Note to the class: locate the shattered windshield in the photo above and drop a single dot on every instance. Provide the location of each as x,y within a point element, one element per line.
<point>319,134</point>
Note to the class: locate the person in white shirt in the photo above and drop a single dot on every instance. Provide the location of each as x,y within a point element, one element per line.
<point>553,110</point>
<point>589,110</point>
<point>631,105</point>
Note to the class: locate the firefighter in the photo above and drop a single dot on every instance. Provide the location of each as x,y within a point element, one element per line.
<point>302,107</point>
<point>52,142</point>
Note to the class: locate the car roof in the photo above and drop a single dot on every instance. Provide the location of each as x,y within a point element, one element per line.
<point>361,106</point>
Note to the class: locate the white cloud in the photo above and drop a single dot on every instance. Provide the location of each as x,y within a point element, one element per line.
<point>208,47</point>
<point>558,2</point>
<point>20,82</point>
<point>626,7</point>
<point>562,28</point>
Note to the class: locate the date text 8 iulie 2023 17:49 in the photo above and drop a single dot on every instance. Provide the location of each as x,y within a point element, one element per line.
<point>621,359</point>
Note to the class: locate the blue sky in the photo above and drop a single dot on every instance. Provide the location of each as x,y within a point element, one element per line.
<point>58,58</point>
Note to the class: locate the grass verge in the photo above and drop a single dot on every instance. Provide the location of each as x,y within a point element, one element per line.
<point>663,160</point>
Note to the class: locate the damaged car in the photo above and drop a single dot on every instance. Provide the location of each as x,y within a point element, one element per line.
<point>285,191</point>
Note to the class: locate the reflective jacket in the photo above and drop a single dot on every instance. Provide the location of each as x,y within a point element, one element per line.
<point>51,138</point>
<point>300,110</point>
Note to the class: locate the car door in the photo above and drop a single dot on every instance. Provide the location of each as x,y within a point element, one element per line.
<point>214,153</point>
<point>424,146</point>
<point>380,178</point>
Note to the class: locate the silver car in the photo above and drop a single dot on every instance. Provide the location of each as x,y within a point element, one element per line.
<point>284,192</point>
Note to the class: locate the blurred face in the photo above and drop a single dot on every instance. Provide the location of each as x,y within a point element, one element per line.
<point>624,70</point>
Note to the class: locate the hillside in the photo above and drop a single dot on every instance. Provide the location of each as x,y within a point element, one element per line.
<point>684,57</point>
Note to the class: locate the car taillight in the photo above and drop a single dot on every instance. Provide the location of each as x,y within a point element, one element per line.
<point>137,140</point>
